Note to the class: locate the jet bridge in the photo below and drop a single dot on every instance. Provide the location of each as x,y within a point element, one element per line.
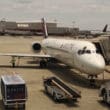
<point>103,46</point>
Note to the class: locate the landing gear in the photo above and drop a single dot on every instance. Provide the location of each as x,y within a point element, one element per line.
<point>92,79</point>
<point>43,64</point>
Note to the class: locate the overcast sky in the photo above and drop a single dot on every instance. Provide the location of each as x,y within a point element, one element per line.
<point>86,14</point>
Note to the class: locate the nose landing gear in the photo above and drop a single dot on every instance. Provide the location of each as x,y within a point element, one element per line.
<point>92,79</point>
<point>43,64</point>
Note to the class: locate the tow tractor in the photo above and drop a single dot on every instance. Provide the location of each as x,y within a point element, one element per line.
<point>105,92</point>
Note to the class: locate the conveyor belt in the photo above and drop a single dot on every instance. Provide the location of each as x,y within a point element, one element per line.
<point>72,91</point>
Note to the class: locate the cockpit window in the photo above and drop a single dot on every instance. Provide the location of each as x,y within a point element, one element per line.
<point>84,51</point>
<point>88,51</point>
<point>80,52</point>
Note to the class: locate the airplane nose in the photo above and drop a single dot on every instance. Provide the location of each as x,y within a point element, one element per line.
<point>94,64</point>
<point>98,66</point>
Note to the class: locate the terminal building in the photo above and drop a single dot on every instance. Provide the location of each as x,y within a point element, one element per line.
<point>34,28</point>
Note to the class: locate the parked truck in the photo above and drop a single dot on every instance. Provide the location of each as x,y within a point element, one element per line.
<point>14,91</point>
<point>105,92</point>
<point>59,90</point>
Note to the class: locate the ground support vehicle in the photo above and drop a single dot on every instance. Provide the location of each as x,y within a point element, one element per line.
<point>14,91</point>
<point>59,90</point>
<point>104,92</point>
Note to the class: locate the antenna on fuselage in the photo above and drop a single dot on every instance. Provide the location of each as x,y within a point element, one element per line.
<point>44,25</point>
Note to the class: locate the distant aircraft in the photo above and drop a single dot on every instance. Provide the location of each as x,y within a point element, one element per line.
<point>78,54</point>
<point>99,33</point>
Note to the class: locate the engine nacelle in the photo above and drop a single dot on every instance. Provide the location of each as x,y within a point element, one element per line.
<point>36,47</point>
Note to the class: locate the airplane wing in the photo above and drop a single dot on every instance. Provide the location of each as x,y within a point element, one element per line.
<point>19,55</point>
<point>25,55</point>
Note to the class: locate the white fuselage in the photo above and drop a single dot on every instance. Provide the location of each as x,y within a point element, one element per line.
<point>80,55</point>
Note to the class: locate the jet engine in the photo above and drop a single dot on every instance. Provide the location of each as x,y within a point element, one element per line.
<point>36,47</point>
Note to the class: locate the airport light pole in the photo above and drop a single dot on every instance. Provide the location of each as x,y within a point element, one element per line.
<point>73,25</point>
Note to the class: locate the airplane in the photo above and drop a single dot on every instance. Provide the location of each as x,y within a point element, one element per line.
<point>97,33</point>
<point>78,54</point>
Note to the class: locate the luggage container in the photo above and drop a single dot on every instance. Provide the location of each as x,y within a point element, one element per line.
<point>14,91</point>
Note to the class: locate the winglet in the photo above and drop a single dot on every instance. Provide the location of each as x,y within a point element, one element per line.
<point>105,28</point>
<point>44,28</point>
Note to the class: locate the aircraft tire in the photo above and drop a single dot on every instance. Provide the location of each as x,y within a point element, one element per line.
<point>105,97</point>
<point>43,64</point>
<point>55,98</point>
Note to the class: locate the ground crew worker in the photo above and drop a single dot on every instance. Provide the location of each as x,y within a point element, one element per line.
<point>13,62</point>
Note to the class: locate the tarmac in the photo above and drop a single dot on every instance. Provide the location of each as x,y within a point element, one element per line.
<point>33,75</point>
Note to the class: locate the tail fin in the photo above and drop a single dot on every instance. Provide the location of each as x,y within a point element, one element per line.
<point>105,28</point>
<point>44,28</point>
